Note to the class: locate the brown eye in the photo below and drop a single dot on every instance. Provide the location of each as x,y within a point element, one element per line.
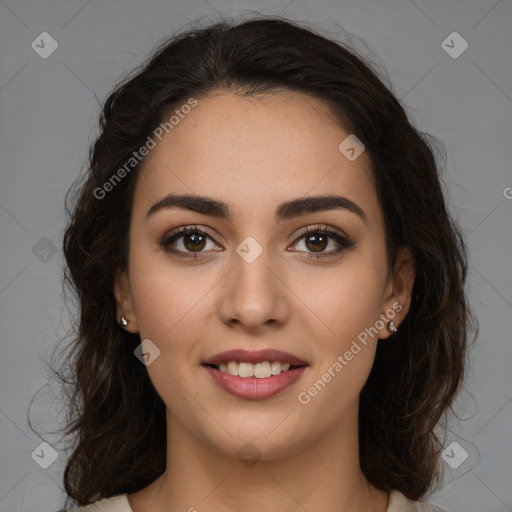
<point>316,243</point>
<point>194,242</point>
<point>189,242</point>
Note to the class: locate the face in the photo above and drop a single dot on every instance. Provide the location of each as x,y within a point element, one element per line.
<point>253,275</point>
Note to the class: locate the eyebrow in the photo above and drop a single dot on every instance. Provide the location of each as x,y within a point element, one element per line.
<point>285,211</point>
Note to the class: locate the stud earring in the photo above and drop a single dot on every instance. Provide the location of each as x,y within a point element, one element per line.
<point>392,326</point>
<point>124,322</point>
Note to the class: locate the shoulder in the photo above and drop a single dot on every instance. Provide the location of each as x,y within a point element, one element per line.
<point>399,503</point>
<point>117,503</point>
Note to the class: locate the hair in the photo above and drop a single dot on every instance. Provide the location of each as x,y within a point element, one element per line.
<point>115,415</point>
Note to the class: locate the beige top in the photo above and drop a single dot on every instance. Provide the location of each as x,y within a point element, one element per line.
<point>397,503</point>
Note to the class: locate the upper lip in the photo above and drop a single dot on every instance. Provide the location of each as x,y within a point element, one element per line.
<point>255,356</point>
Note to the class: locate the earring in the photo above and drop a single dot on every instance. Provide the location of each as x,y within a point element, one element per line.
<point>392,326</point>
<point>124,322</point>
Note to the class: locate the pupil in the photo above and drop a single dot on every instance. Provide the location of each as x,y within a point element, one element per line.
<point>195,240</point>
<point>319,242</point>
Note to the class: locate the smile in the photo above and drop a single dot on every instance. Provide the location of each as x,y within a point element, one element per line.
<point>261,370</point>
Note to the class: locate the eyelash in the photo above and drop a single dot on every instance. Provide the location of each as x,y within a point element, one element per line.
<point>344,242</point>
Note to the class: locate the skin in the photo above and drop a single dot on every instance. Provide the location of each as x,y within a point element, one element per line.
<point>253,154</point>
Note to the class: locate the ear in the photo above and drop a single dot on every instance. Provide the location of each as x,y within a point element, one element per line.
<point>124,301</point>
<point>398,293</point>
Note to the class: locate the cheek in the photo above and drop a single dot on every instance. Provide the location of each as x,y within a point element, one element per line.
<point>169,312</point>
<point>334,389</point>
<point>346,349</point>
<point>165,294</point>
<point>346,301</point>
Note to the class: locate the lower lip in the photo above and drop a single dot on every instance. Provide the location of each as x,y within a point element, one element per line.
<point>252,388</point>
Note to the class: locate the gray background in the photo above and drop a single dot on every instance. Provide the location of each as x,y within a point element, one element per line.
<point>49,110</point>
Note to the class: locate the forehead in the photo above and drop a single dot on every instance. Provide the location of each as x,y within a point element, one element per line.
<point>255,150</point>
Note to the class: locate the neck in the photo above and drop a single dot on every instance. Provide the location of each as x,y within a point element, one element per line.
<point>323,476</point>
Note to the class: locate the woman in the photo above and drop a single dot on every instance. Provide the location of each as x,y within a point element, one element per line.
<point>271,287</point>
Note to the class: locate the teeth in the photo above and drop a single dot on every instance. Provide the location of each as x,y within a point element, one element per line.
<point>261,370</point>
<point>276,367</point>
<point>245,369</point>
<point>233,368</point>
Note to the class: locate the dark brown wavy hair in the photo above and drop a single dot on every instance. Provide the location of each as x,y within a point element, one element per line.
<point>116,419</point>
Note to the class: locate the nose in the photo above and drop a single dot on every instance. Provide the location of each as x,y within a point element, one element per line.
<point>255,297</point>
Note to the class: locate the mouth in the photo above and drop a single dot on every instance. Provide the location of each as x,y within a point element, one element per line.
<point>254,374</point>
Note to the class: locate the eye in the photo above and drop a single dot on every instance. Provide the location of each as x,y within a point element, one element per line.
<point>191,242</point>
<point>188,242</point>
<point>318,239</point>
